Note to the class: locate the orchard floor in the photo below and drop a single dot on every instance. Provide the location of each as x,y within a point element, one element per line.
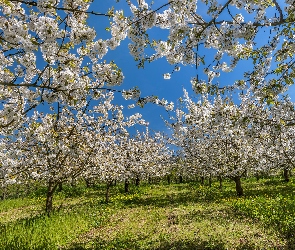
<point>156,216</point>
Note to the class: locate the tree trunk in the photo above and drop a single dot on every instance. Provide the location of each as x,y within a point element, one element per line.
<point>239,189</point>
<point>3,196</point>
<point>88,183</point>
<point>59,187</point>
<point>202,180</point>
<point>180,179</point>
<point>126,186</point>
<point>220,182</point>
<point>50,191</point>
<point>210,181</point>
<point>137,181</point>
<point>286,175</point>
<point>169,179</point>
<point>18,191</point>
<point>108,192</point>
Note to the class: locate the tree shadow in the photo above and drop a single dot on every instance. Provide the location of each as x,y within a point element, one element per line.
<point>204,245</point>
<point>272,188</point>
<point>195,244</point>
<point>184,197</point>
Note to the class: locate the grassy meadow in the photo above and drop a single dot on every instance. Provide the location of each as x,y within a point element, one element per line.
<point>154,216</point>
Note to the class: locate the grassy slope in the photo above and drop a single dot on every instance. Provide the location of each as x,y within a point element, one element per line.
<point>177,216</point>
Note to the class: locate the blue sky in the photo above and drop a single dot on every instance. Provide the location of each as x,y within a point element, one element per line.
<point>150,79</point>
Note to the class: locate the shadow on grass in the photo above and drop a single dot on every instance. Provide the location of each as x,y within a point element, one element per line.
<point>21,240</point>
<point>182,195</point>
<point>196,244</point>
<point>203,245</point>
<point>269,187</point>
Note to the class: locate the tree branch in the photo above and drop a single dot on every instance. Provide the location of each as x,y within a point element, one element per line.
<point>279,9</point>
<point>256,24</point>
<point>150,13</point>
<point>33,3</point>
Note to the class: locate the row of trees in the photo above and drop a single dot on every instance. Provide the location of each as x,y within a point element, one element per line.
<point>222,139</point>
<point>214,138</point>
<point>211,138</point>
<point>70,144</point>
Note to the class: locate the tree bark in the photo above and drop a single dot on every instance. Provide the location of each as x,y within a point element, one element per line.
<point>220,182</point>
<point>59,187</point>
<point>180,179</point>
<point>150,180</point>
<point>202,180</point>
<point>108,192</point>
<point>286,175</point>
<point>210,181</point>
<point>126,186</point>
<point>239,189</point>
<point>3,196</point>
<point>137,181</point>
<point>169,179</point>
<point>88,183</point>
<point>49,197</point>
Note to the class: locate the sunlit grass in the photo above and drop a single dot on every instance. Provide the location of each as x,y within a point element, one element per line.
<point>157,216</point>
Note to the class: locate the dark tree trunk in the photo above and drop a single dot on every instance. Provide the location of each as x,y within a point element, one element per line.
<point>3,196</point>
<point>50,191</point>
<point>210,181</point>
<point>220,182</point>
<point>126,186</point>
<point>150,180</point>
<point>108,192</point>
<point>239,189</point>
<point>169,179</point>
<point>137,181</point>
<point>202,180</point>
<point>88,183</point>
<point>286,175</point>
<point>180,179</point>
<point>18,191</point>
<point>59,187</point>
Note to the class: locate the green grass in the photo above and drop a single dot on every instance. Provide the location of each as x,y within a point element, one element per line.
<point>157,216</point>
